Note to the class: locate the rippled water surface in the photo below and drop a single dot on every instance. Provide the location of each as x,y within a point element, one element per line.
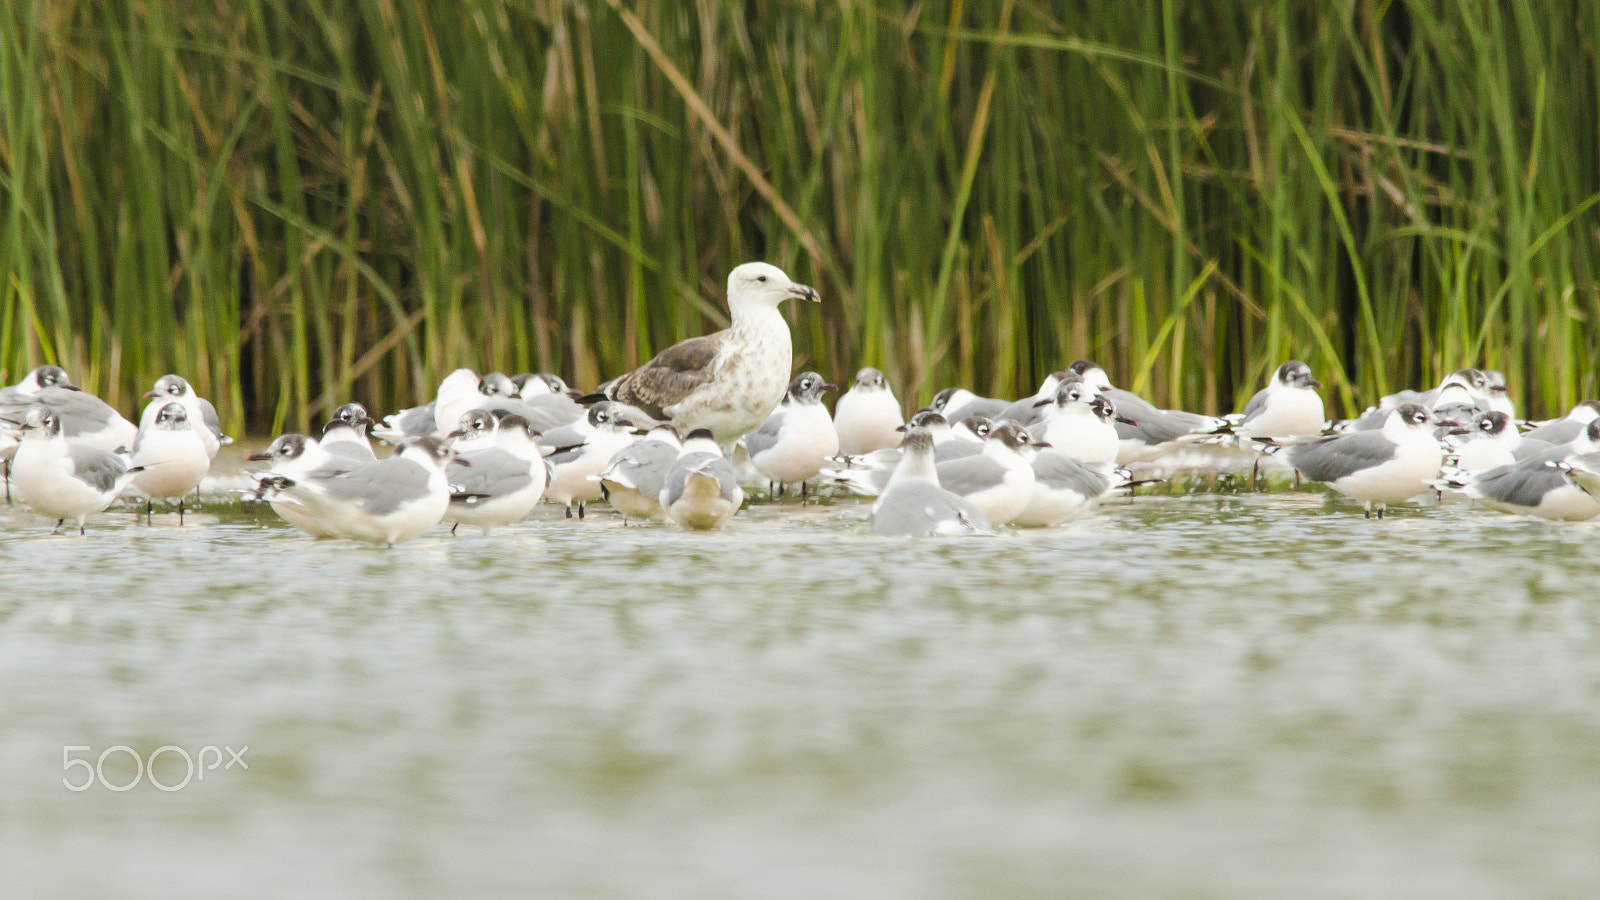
<point>1211,695</point>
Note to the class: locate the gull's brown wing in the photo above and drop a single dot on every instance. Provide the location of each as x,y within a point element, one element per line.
<point>671,376</point>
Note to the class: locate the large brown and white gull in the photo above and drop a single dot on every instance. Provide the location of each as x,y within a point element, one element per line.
<point>730,381</point>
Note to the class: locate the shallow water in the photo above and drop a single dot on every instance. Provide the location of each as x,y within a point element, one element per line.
<point>1204,695</point>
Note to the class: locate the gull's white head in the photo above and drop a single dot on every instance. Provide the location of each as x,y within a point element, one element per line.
<point>763,285</point>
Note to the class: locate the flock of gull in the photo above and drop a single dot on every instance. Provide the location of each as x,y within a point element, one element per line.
<point>680,439</point>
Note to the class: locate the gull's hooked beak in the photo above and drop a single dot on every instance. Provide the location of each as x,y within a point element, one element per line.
<point>149,394</point>
<point>805,292</point>
<point>828,387</point>
<point>459,432</point>
<point>1045,402</point>
<point>1313,383</point>
<point>1041,445</point>
<point>263,456</point>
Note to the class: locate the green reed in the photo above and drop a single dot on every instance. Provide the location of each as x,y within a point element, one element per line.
<point>295,204</point>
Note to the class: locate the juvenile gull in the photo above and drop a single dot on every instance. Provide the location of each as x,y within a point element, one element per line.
<point>173,456</point>
<point>1380,467</point>
<point>794,443</point>
<point>701,492</point>
<point>729,381</point>
<point>64,479</point>
<point>913,504</point>
<point>868,416</point>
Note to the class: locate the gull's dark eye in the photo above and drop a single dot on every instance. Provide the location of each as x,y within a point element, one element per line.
<point>761,278</point>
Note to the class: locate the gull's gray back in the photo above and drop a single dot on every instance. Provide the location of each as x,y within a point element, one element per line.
<point>382,487</point>
<point>924,509</point>
<point>708,463</point>
<point>95,467</point>
<point>1333,458</point>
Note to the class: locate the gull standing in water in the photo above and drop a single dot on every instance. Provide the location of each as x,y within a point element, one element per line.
<point>499,483</point>
<point>999,481</point>
<point>1378,467</point>
<point>633,479</point>
<point>172,453</point>
<point>1288,407</point>
<point>868,416</point>
<point>795,442</point>
<point>571,465</point>
<point>729,381</point>
<point>913,503</point>
<point>297,457</point>
<point>701,492</point>
<point>64,479</point>
<point>385,502</point>
<point>1538,485</point>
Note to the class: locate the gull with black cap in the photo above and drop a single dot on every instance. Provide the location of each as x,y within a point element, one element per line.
<point>795,442</point>
<point>1377,467</point>
<point>63,479</point>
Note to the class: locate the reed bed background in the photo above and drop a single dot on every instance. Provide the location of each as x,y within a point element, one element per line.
<point>298,203</point>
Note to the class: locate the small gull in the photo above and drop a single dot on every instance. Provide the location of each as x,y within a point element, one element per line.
<point>571,464</point>
<point>869,474</point>
<point>297,457</point>
<point>868,416</point>
<point>1537,485</point>
<point>64,479</point>
<point>1489,442</point>
<point>202,415</point>
<point>173,454</point>
<point>914,504</point>
<point>1287,407</point>
<point>700,491</point>
<point>795,442</point>
<point>1145,431</point>
<point>345,434</point>
<point>1026,411</point>
<point>82,417</point>
<point>500,483</point>
<point>1564,429</point>
<point>1078,421</point>
<point>633,479</point>
<point>1380,467</point>
<point>729,381</point>
<point>385,502</point>
<point>999,481</point>
<point>1065,486</point>
<point>956,403</point>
